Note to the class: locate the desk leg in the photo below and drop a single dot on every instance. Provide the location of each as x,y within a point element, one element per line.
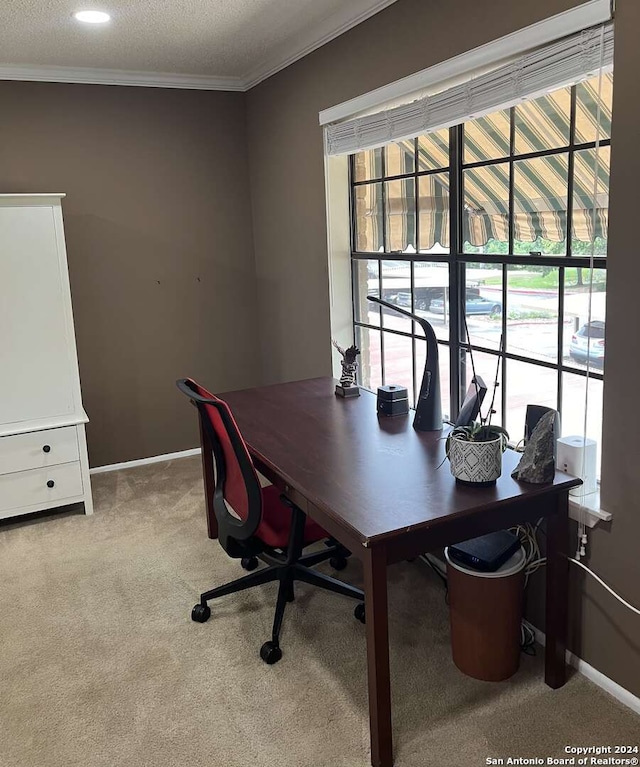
<point>557,593</point>
<point>375,578</point>
<point>209,480</point>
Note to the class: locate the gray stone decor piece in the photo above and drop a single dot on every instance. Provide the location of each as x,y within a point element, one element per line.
<point>537,464</point>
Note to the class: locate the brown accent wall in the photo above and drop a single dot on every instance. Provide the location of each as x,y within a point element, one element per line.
<point>158,226</point>
<point>287,187</point>
<point>286,155</point>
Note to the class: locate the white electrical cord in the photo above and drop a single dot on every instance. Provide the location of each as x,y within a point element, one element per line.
<point>604,585</point>
<point>581,550</point>
<point>527,535</point>
<point>527,638</point>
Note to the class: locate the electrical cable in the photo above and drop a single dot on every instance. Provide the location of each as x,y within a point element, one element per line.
<point>527,638</point>
<point>426,558</point>
<point>604,585</point>
<point>582,521</point>
<point>527,535</point>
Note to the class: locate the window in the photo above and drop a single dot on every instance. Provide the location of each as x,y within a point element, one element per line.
<point>487,230</point>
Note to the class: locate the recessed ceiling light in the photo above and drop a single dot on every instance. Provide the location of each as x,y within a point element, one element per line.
<point>92,17</point>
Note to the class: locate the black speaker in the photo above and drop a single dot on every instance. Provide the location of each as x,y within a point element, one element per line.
<point>393,400</point>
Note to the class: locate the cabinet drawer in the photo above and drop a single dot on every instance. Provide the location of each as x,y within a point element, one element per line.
<point>37,449</point>
<point>28,488</point>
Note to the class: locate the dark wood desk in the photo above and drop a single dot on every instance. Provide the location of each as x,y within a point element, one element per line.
<point>377,486</point>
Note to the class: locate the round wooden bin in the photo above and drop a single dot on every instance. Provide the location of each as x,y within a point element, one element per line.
<point>486,612</point>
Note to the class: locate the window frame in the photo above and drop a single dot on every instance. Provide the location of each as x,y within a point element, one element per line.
<point>457,260</point>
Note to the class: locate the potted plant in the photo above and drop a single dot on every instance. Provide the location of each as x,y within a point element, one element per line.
<point>475,451</point>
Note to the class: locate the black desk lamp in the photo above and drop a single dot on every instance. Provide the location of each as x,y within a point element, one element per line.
<point>429,408</point>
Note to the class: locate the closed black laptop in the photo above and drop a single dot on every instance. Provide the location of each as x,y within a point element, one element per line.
<point>487,553</point>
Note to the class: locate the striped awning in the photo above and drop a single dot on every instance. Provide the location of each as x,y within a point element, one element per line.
<point>541,184</point>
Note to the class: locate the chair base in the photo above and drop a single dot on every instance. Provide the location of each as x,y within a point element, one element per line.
<point>287,574</point>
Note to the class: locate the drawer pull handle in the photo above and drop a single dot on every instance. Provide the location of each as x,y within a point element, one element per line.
<point>46,449</point>
<point>50,483</point>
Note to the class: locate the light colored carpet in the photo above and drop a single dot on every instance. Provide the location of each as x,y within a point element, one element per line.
<point>100,664</point>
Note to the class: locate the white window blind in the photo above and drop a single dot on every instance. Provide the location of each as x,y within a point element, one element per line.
<point>558,64</point>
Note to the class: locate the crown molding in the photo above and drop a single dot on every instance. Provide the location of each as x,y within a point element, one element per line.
<point>86,76</point>
<point>332,27</point>
<point>588,14</point>
<point>329,29</point>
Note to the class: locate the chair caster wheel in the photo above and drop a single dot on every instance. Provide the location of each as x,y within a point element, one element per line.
<point>201,613</point>
<point>270,653</point>
<point>359,613</point>
<point>249,563</point>
<point>338,563</point>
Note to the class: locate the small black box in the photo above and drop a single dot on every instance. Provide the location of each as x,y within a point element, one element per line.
<point>488,552</point>
<point>393,400</point>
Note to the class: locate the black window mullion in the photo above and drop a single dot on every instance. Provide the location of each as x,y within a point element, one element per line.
<point>419,174</point>
<point>412,275</point>
<point>459,297</point>
<point>505,267</point>
<point>528,155</point>
<point>381,320</point>
<point>413,330</point>
<point>503,318</point>
<point>436,258</point>
<point>512,141</point>
<point>495,258</point>
<point>355,294</point>
<point>561,278</point>
<point>416,195</point>
<point>403,333</point>
<point>352,204</point>
<point>542,363</point>
<point>571,172</point>
<point>569,251</point>
<point>355,290</point>
<point>456,206</point>
<point>383,164</point>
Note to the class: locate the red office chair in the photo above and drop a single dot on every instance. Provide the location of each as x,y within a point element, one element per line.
<point>261,524</point>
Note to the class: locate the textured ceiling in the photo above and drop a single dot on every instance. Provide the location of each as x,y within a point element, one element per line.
<point>216,38</point>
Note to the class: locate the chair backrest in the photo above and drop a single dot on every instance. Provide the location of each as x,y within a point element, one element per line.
<point>236,480</point>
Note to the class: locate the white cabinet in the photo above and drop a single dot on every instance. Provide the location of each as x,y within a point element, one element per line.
<point>43,451</point>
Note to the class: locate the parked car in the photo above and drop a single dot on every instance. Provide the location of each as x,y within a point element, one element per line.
<point>422,297</point>
<point>588,342</point>
<point>474,304</point>
<point>404,299</point>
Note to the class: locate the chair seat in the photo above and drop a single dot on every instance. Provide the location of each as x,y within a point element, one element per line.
<point>276,522</point>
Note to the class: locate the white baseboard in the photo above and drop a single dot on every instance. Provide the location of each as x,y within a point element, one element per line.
<point>597,677</point>
<point>145,461</point>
